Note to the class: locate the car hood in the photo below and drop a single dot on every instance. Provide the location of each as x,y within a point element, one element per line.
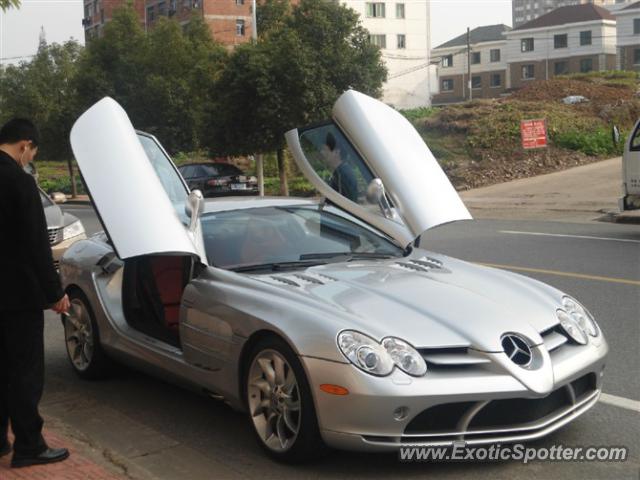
<point>428,300</point>
<point>54,216</point>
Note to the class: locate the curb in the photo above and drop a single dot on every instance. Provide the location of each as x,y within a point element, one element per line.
<point>623,218</point>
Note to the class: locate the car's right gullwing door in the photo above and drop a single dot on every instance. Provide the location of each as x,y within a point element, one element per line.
<point>366,145</point>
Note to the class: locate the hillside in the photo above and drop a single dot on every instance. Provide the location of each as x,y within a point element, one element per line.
<point>478,143</point>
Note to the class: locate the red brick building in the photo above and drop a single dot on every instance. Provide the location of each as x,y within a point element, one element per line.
<point>229,20</point>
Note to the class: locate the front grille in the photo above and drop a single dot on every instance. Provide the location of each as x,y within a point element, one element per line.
<point>55,235</point>
<point>453,358</point>
<point>511,412</point>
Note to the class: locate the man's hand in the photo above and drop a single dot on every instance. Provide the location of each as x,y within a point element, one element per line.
<point>62,305</point>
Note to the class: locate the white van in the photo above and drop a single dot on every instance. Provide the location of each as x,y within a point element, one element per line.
<point>631,171</point>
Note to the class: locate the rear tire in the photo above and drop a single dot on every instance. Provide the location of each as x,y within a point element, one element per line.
<point>82,340</point>
<point>280,405</point>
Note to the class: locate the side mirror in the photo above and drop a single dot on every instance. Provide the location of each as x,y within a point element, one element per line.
<point>615,133</point>
<point>194,208</point>
<point>376,195</point>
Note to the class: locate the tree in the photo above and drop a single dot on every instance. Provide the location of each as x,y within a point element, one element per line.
<point>305,58</point>
<point>43,91</point>
<point>7,4</point>
<point>163,79</point>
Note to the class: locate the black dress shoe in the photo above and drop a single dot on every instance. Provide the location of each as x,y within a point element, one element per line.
<point>5,449</point>
<point>50,455</point>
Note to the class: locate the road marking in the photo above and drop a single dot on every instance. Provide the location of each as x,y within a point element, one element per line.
<point>540,234</point>
<point>626,403</point>
<point>564,274</point>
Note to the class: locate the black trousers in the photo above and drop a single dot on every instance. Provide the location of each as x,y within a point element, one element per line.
<point>22,379</point>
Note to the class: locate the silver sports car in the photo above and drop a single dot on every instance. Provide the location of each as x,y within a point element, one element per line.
<point>323,319</point>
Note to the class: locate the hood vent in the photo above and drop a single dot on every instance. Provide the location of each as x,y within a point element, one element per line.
<point>308,278</point>
<point>413,266</point>
<point>285,280</point>
<point>427,262</point>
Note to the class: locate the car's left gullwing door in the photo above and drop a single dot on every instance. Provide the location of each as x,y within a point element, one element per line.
<point>385,174</point>
<point>138,198</point>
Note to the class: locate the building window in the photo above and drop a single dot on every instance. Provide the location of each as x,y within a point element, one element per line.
<point>151,13</point>
<point>528,72</point>
<point>496,80</point>
<point>399,10</point>
<point>495,54</point>
<point>447,85</point>
<point>475,58</point>
<point>239,2</point>
<point>476,81</point>
<point>560,41</point>
<point>375,10</point>
<point>636,26</point>
<point>585,38</point>
<point>378,40</point>
<point>240,28</point>
<point>102,15</point>
<point>447,61</point>
<point>162,8</point>
<point>586,65</point>
<point>561,68</point>
<point>527,45</point>
<point>402,41</point>
<point>636,56</point>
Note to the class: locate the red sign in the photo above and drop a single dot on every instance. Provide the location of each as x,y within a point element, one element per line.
<point>534,133</point>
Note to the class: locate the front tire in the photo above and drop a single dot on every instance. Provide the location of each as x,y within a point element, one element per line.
<point>280,404</point>
<point>82,340</point>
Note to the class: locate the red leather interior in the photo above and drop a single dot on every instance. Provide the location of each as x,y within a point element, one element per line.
<point>169,275</point>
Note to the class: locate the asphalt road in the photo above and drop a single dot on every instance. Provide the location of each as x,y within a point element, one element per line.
<point>168,432</point>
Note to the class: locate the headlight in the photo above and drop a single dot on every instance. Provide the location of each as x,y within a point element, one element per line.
<point>405,356</point>
<point>581,316</point>
<point>571,327</point>
<point>72,230</point>
<point>365,353</point>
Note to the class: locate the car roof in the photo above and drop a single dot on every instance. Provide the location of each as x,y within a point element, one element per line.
<point>223,204</point>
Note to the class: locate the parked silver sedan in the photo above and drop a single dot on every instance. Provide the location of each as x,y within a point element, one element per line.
<point>323,319</point>
<point>64,229</point>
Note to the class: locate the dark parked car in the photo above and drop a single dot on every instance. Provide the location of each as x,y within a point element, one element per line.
<point>217,179</point>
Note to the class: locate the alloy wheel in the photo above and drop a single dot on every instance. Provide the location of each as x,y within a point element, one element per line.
<point>274,400</point>
<point>79,335</point>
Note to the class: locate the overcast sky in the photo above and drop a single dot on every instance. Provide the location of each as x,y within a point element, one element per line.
<point>61,19</point>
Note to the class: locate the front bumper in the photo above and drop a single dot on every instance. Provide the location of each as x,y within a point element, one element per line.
<point>364,419</point>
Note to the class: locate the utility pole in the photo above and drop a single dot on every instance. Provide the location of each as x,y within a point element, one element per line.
<point>258,157</point>
<point>469,63</point>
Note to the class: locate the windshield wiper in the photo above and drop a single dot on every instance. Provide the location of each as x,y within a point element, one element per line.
<point>345,256</point>
<point>276,266</point>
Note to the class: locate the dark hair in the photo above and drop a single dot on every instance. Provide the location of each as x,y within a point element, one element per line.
<point>18,129</point>
<point>330,141</point>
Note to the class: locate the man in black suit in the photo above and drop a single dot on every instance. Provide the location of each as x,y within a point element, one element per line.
<point>29,284</point>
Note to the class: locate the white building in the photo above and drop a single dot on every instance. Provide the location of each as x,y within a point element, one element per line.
<point>526,10</point>
<point>402,30</point>
<point>574,39</point>
<point>488,65</point>
<point>628,37</point>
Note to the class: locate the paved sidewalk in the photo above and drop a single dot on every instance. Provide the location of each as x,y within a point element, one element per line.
<point>578,194</point>
<point>83,464</point>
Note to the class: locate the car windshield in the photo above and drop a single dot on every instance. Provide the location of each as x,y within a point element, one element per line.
<point>221,169</point>
<point>242,239</point>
